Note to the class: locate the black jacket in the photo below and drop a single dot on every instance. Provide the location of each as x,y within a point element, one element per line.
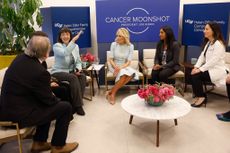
<point>172,58</point>
<point>26,88</point>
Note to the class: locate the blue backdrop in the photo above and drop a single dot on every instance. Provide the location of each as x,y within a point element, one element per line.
<point>197,15</point>
<point>75,18</point>
<point>143,19</point>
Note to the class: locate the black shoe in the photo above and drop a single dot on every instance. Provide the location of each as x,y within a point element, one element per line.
<point>222,118</point>
<point>200,102</point>
<point>80,111</point>
<point>226,114</point>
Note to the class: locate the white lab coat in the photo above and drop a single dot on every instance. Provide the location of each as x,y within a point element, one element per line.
<point>214,63</point>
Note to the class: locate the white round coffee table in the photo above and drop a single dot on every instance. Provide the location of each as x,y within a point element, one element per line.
<point>172,109</point>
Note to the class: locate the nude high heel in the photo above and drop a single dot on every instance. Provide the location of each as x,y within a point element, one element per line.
<point>200,102</point>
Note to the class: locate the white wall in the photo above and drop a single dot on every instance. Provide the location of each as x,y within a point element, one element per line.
<point>91,4</point>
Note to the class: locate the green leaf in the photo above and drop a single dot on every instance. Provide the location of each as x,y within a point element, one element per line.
<point>16,18</point>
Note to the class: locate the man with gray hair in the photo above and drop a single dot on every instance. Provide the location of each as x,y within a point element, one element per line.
<point>26,98</point>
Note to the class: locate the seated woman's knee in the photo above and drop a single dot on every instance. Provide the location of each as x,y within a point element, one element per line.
<point>73,78</point>
<point>163,75</point>
<point>196,76</point>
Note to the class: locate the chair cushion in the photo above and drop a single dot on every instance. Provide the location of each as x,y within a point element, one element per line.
<point>110,75</point>
<point>149,72</point>
<point>88,78</point>
<point>178,74</point>
<point>2,74</point>
<point>148,57</point>
<point>148,63</point>
<point>140,75</point>
<point>134,65</point>
<point>6,132</point>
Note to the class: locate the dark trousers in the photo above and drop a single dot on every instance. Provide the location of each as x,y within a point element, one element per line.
<point>61,112</point>
<point>228,90</point>
<point>62,92</point>
<point>162,75</point>
<point>77,86</point>
<point>198,81</point>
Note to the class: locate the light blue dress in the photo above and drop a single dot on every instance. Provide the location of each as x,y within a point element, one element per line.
<point>121,54</point>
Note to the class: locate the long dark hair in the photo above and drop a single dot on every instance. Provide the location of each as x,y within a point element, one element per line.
<point>217,34</point>
<point>64,30</point>
<point>170,38</point>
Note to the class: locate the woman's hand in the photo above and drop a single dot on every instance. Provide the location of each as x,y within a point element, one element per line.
<point>75,38</point>
<point>116,70</point>
<point>156,67</point>
<point>78,73</point>
<point>54,84</point>
<point>195,71</point>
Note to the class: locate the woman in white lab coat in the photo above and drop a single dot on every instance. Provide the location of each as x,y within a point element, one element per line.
<point>210,66</point>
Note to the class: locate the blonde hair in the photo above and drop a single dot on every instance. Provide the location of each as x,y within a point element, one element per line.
<point>124,33</point>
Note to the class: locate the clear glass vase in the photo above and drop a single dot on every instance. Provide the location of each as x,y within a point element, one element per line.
<point>151,102</point>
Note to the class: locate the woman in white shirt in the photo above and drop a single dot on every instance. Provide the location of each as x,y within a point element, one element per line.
<point>210,66</point>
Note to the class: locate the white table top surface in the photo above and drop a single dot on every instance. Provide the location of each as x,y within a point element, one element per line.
<point>96,67</point>
<point>172,109</point>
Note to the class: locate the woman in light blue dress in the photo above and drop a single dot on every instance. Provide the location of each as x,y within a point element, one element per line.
<point>119,62</point>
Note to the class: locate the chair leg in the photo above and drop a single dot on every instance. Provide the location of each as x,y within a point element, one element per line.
<point>91,92</point>
<point>178,86</point>
<point>147,80</point>
<point>106,85</point>
<point>19,138</point>
<point>143,82</point>
<point>182,87</point>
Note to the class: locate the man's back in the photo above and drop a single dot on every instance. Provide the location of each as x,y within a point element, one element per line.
<point>25,89</point>
<point>26,98</point>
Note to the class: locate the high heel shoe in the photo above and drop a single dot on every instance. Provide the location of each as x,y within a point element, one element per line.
<point>200,102</point>
<point>194,101</point>
<point>111,99</point>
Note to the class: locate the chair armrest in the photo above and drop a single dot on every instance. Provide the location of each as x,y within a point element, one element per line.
<point>144,68</point>
<point>89,68</point>
<point>64,82</point>
<point>7,123</point>
<point>182,67</point>
<point>106,67</point>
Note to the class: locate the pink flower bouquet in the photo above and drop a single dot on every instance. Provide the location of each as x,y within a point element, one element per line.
<point>88,57</point>
<point>156,94</point>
